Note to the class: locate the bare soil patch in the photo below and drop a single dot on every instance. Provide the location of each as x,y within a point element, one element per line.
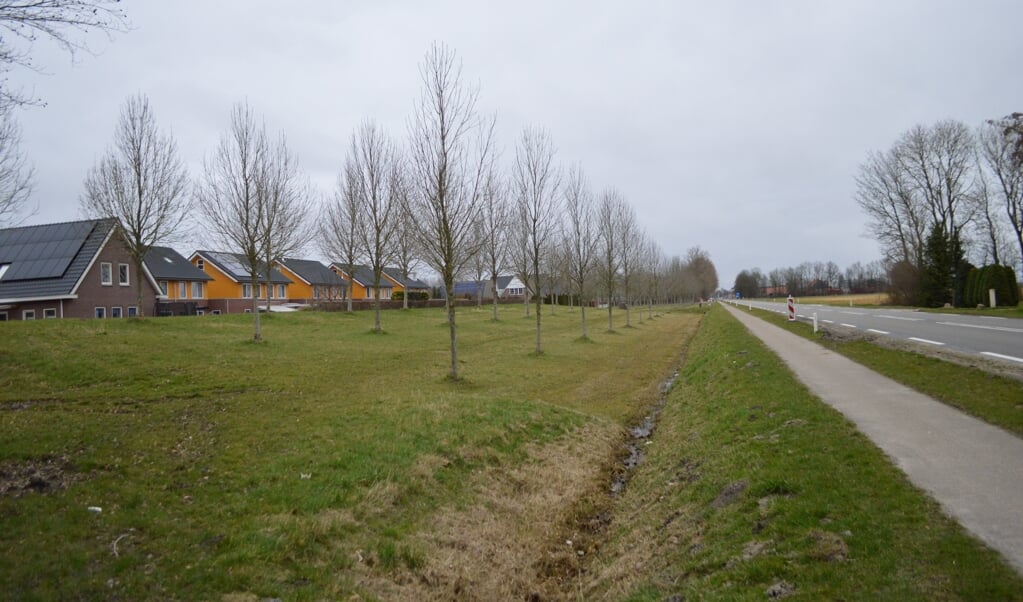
<point>45,475</point>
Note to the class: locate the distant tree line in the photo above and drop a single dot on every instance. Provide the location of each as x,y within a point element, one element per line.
<point>813,279</point>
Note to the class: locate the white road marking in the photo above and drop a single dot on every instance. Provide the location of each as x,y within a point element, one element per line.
<point>999,328</point>
<point>848,325</point>
<point>928,341</point>
<point>853,313</point>
<point>993,318</point>
<point>828,321</point>
<point>901,318</point>
<point>1004,357</point>
<point>878,331</point>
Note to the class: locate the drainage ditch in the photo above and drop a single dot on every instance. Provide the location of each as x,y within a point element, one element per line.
<point>641,436</point>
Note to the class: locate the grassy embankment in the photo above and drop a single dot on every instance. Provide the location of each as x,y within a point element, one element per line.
<point>992,398</point>
<point>327,461</point>
<point>753,489</point>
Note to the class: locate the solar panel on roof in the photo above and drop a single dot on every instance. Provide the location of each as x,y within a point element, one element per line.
<point>42,251</point>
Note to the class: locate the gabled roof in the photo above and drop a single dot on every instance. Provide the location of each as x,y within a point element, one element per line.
<point>234,266</point>
<point>313,272</point>
<point>503,282</point>
<point>411,283</point>
<point>164,263</point>
<point>362,274</point>
<point>49,260</point>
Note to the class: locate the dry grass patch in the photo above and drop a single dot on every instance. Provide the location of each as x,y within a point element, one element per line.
<point>511,540</point>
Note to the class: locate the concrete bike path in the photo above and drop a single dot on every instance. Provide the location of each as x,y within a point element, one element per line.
<point>974,470</point>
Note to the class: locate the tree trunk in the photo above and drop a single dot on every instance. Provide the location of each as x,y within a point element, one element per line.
<point>610,318</point>
<point>582,308</point>
<point>257,334</point>
<point>140,312</point>
<point>493,282</point>
<point>449,302</point>
<point>539,302</point>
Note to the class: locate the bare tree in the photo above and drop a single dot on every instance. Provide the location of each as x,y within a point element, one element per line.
<point>897,220</point>
<point>229,197</point>
<point>342,221</point>
<point>580,236</point>
<point>939,161</point>
<point>450,154</point>
<point>630,245</point>
<point>286,196</point>
<point>536,180</point>
<point>999,145</point>
<point>141,182</point>
<point>61,21</point>
<point>15,174</point>
<point>406,251</point>
<point>374,166</point>
<point>609,215</point>
<point>494,220</point>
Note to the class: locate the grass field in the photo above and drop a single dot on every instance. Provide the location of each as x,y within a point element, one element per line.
<point>305,467</point>
<point>333,463</point>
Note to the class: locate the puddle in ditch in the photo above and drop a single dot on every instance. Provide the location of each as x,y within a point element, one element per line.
<point>640,436</point>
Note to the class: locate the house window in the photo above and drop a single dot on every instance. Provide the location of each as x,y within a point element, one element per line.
<point>115,312</point>
<point>199,263</point>
<point>246,291</point>
<point>101,312</point>
<point>281,293</point>
<point>3,316</point>
<point>122,274</point>
<point>182,290</point>
<point>316,292</point>
<point>133,311</point>
<point>49,312</point>
<point>28,314</point>
<point>163,287</point>
<point>106,273</point>
<point>248,310</point>
<point>197,290</point>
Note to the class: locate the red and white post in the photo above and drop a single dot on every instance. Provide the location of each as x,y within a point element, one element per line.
<point>792,309</point>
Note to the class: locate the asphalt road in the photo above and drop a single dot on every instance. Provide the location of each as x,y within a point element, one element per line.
<point>992,337</point>
<point>970,467</point>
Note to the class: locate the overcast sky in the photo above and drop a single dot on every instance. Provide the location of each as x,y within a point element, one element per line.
<point>735,126</point>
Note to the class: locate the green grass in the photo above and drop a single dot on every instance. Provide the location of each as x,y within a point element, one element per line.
<point>1002,312</point>
<point>813,503</point>
<point>292,468</point>
<point>995,399</point>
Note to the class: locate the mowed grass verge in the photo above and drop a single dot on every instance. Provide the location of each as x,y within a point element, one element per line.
<point>754,489</point>
<point>312,466</point>
<point>995,399</point>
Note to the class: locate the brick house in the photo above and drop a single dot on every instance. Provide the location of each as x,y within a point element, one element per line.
<point>76,269</point>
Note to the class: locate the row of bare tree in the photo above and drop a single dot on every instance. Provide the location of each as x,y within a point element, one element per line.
<point>442,200</point>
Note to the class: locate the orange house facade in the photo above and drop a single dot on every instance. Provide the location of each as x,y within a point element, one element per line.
<point>182,286</point>
<point>231,290</point>
<point>360,281</point>
<point>312,282</point>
